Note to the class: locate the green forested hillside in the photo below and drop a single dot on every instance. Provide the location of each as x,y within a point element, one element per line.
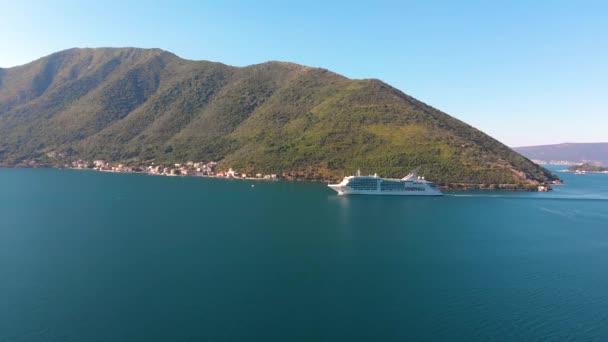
<point>137,105</point>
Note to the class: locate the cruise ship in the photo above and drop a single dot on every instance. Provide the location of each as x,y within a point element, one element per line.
<point>410,185</point>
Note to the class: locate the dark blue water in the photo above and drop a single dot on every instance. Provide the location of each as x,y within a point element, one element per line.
<point>88,256</point>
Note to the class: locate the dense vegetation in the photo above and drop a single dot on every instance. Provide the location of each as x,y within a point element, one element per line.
<point>137,105</point>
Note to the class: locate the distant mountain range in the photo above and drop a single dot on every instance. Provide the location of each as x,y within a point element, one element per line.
<point>142,105</point>
<point>593,153</point>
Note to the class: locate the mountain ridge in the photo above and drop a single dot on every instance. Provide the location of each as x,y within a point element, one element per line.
<point>571,152</point>
<point>138,105</point>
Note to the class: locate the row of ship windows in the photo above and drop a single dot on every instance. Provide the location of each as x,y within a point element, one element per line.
<point>373,181</point>
<point>404,189</point>
<point>369,188</point>
<point>372,184</point>
<point>392,185</point>
<point>364,184</point>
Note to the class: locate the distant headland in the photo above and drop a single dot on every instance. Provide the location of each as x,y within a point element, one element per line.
<point>567,153</point>
<point>588,168</point>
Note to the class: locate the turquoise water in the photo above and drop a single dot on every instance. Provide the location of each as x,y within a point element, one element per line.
<point>88,256</point>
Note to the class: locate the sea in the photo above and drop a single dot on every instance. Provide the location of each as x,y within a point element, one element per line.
<point>90,256</point>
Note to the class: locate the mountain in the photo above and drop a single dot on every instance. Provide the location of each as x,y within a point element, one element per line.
<point>139,105</point>
<point>573,152</point>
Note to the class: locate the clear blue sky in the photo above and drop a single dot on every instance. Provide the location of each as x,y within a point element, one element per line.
<point>528,72</point>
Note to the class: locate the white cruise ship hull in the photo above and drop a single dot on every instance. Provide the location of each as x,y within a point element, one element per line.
<point>346,191</point>
<point>374,185</point>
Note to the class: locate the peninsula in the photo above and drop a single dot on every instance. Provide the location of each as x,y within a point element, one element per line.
<point>144,107</point>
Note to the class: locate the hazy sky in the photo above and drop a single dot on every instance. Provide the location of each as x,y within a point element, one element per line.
<point>529,72</point>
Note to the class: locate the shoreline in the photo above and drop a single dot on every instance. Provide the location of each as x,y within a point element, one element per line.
<point>451,187</point>
<point>586,172</point>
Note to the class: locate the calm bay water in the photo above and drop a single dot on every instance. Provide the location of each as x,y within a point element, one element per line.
<point>88,256</point>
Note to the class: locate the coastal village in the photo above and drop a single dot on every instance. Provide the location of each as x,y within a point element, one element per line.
<point>210,169</point>
<point>190,168</point>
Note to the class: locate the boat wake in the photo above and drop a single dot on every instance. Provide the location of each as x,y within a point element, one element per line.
<point>584,197</point>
